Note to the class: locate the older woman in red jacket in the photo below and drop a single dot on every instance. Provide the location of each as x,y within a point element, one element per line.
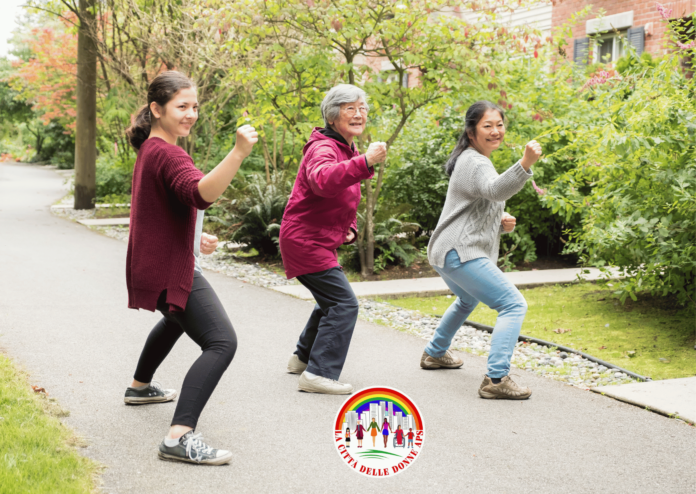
<point>320,216</point>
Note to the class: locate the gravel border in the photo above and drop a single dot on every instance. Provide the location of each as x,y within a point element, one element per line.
<point>545,361</point>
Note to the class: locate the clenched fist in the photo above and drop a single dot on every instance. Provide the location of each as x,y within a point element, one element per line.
<point>208,243</point>
<point>246,138</point>
<point>508,222</point>
<point>532,153</point>
<point>376,153</point>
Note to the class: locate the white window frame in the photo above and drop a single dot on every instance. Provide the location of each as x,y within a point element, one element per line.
<point>617,40</point>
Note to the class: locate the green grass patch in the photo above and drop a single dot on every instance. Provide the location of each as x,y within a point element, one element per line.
<point>37,452</point>
<point>654,337</point>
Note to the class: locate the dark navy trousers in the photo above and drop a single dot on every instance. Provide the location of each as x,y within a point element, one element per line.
<point>325,340</point>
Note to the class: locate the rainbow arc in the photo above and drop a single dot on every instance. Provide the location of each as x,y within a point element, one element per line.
<point>378,394</point>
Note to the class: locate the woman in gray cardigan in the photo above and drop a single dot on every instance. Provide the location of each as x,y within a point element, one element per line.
<point>464,247</point>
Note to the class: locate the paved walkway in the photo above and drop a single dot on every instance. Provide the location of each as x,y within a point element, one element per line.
<point>428,287</point>
<point>671,397</point>
<point>63,317</point>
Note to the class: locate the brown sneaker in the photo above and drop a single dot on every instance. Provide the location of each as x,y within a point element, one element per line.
<point>448,361</point>
<point>507,389</point>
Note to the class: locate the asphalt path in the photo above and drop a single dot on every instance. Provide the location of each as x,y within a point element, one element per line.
<point>64,318</point>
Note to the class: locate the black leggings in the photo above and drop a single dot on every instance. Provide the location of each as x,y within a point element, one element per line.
<point>205,322</point>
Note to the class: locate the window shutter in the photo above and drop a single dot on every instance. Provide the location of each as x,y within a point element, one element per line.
<point>636,37</point>
<point>581,50</point>
<point>404,82</point>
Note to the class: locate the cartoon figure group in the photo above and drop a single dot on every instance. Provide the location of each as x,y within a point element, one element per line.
<point>385,429</point>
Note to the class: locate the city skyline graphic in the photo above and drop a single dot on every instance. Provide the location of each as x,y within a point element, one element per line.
<point>379,410</point>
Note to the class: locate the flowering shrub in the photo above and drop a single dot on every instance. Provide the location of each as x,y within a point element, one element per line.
<point>663,11</point>
<point>600,77</point>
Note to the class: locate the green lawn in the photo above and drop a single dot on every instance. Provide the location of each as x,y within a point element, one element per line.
<point>37,452</point>
<point>661,334</point>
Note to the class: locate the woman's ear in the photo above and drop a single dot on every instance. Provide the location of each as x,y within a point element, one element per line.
<point>155,110</point>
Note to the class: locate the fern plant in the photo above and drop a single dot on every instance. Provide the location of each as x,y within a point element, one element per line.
<point>250,214</point>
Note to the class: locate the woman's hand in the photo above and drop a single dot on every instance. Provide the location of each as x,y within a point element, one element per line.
<point>508,222</point>
<point>349,237</point>
<point>376,153</point>
<point>532,153</point>
<point>246,138</point>
<point>208,243</point>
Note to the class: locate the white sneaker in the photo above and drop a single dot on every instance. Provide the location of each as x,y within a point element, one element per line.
<point>295,365</point>
<point>317,384</point>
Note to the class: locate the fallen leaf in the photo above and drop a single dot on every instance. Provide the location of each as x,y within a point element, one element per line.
<point>602,347</point>
<point>561,330</point>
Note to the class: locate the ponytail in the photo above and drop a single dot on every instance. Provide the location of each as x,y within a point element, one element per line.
<point>139,130</point>
<point>462,145</point>
<point>473,116</point>
<point>161,90</point>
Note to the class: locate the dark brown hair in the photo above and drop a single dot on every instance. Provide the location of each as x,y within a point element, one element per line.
<point>473,116</point>
<point>161,90</point>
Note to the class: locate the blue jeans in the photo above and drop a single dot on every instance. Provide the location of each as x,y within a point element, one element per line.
<point>474,281</point>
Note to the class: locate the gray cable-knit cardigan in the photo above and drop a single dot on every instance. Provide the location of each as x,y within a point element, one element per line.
<point>470,219</point>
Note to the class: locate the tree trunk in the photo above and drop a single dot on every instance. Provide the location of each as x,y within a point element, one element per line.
<point>86,121</point>
<point>366,246</point>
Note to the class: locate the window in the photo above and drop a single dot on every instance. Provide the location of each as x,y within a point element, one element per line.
<point>608,47</point>
<point>392,76</point>
<point>389,75</point>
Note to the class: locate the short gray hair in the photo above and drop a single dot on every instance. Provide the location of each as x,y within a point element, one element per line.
<point>338,95</point>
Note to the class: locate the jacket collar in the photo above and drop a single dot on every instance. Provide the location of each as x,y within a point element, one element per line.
<point>329,132</point>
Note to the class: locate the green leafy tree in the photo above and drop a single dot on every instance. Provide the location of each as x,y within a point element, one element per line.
<point>318,43</point>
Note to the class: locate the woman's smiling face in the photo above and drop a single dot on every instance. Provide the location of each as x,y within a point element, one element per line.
<point>351,120</point>
<point>489,132</point>
<point>179,114</point>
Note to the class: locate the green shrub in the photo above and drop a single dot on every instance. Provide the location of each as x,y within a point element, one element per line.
<point>114,175</point>
<point>395,244</point>
<point>250,212</point>
<point>58,146</point>
<point>415,175</point>
<point>635,180</point>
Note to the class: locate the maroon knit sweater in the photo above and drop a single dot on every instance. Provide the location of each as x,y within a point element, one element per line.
<point>162,226</point>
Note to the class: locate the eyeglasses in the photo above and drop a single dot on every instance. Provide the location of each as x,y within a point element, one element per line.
<point>351,110</point>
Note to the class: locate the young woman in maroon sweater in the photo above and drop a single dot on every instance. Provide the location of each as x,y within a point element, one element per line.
<point>162,272</point>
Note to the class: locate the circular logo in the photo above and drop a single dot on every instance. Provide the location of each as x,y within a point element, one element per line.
<point>379,432</point>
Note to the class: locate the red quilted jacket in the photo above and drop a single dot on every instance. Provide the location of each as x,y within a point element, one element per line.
<point>323,205</point>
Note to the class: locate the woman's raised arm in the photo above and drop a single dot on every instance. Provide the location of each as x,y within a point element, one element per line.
<point>214,183</point>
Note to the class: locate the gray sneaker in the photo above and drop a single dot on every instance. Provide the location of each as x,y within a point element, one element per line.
<point>153,393</point>
<point>295,365</point>
<point>447,361</point>
<point>192,449</point>
<point>507,389</point>
<point>317,384</point>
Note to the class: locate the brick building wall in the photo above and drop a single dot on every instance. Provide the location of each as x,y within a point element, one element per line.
<point>644,14</point>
